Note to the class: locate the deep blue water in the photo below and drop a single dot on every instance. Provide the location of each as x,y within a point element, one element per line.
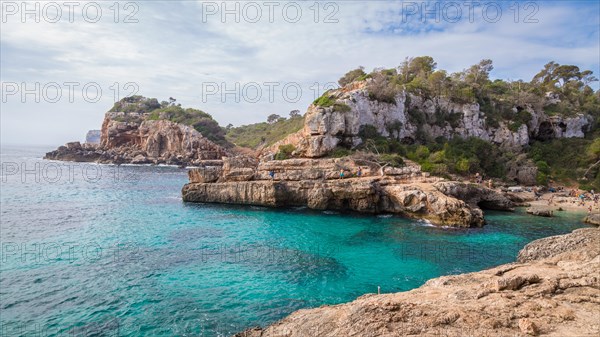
<point>107,250</point>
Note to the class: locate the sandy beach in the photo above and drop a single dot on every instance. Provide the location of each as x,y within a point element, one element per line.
<point>557,201</point>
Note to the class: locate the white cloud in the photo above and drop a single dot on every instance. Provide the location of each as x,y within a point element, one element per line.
<point>172,52</point>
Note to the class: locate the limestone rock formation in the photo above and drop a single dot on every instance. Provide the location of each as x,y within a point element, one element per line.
<point>553,290</point>
<point>133,138</point>
<point>476,195</point>
<point>316,183</point>
<point>339,124</point>
<point>93,137</point>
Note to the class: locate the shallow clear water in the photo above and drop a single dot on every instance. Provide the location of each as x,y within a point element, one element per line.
<point>106,250</point>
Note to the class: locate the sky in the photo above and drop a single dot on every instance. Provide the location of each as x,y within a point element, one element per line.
<point>64,64</point>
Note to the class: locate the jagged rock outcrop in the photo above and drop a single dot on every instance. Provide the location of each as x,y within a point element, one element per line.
<point>476,195</point>
<point>339,124</point>
<point>93,137</point>
<point>133,138</point>
<point>316,184</point>
<point>553,290</point>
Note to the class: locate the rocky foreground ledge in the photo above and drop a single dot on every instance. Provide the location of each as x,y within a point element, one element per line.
<point>553,290</point>
<point>315,183</point>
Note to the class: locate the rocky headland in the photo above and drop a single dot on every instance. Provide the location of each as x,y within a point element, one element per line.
<point>552,290</point>
<point>135,134</point>
<point>316,184</point>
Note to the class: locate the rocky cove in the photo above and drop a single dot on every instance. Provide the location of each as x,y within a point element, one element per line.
<point>553,289</point>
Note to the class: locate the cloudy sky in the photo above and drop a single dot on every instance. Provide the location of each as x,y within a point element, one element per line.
<point>241,61</point>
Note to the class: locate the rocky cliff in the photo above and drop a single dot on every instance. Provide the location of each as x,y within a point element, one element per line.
<point>409,117</point>
<point>138,138</point>
<point>316,184</point>
<point>553,290</point>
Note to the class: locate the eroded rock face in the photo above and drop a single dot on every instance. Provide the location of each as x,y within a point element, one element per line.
<point>339,125</point>
<point>132,138</point>
<point>553,290</point>
<point>476,195</point>
<point>316,183</point>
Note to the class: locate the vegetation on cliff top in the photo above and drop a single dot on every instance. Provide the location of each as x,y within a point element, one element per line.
<point>265,133</point>
<point>557,89</point>
<point>199,120</point>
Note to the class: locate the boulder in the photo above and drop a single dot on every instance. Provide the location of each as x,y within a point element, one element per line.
<point>593,219</point>
<point>205,174</point>
<point>544,212</point>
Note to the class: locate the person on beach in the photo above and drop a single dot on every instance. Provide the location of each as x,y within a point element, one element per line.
<point>342,174</point>
<point>490,184</point>
<point>537,193</point>
<point>359,172</point>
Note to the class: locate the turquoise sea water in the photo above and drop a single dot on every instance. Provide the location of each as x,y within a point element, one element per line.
<point>113,251</point>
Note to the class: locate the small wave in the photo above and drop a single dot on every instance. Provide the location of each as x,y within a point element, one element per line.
<point>385,216</point>
<point>425,223</point>
<point>330,212</point>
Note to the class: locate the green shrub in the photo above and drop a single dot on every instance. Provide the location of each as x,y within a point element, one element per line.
<point>255,135</point>
<point>340,152</point>
<point>368,131</point>
<point>325,100</point>
<point>541,178</point>
<point>352,76</point>
<point>341,107</point>
<point>285,152</point>
<point>463,165</point>
<point>394,160</point>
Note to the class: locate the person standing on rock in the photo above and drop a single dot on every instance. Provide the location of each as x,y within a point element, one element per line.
<point>342,174</point>
<point>359,172</point>
<point>272,174</point>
